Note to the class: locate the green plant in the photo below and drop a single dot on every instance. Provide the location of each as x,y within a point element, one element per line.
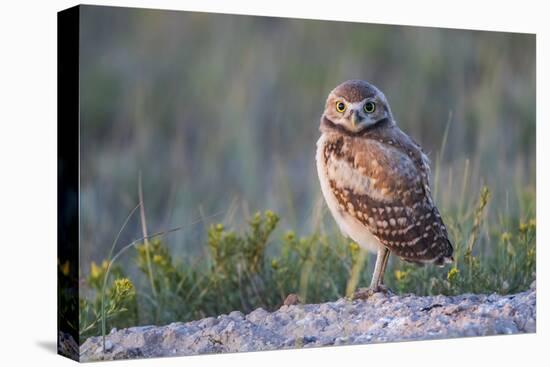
<point>121,306</point>
<point>259,267</point>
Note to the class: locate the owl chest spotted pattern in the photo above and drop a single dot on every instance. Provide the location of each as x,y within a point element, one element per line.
<point>350,225</point>
<point>378,196</point>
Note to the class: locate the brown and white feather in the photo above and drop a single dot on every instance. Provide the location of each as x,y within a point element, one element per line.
<point>376,184</point>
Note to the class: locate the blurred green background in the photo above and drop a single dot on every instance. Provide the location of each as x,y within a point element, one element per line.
<point>220,114</point>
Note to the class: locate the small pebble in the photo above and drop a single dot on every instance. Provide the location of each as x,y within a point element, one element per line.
<point>108,345</point>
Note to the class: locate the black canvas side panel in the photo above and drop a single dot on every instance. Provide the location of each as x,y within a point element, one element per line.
<point>67,181</point>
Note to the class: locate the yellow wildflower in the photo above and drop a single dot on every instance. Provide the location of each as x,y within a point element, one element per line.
<point>523,227</point>
<point>400,275</point>
<point>353,247</point>
<point>65,268</point>
<point>452,274</point>
<point>122,288</point>
<point>95,271</point>
<point>289,236</point>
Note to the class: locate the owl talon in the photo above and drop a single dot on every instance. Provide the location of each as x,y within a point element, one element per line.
<point>384,289</point>
<point>366,293</point>
<point>363,293</point>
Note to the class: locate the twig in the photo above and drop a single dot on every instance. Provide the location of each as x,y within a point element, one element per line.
<point>145,237</point>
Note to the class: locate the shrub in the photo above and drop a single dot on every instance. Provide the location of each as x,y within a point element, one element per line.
<point>244,271</point>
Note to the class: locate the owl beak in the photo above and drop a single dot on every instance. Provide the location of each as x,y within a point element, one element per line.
<point>356,119</point>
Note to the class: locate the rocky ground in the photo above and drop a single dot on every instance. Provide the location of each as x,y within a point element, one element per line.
<point>381,318</point>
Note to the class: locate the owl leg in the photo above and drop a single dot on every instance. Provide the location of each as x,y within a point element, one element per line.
<point>381,286</point>
<point>384,264</point>
<point>379,268</point>
<point>376,284</point>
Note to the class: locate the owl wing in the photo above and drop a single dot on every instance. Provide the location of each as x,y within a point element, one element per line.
<point>385,186</point>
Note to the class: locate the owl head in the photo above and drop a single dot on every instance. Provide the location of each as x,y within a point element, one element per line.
<point>356,105</point>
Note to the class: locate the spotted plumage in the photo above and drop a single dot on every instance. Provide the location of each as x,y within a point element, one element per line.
<point>375,180</point>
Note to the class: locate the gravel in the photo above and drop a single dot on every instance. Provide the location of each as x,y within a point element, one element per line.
<point>381,318</point>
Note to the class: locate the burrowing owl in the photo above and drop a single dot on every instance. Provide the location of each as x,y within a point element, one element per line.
<point>375,180</point>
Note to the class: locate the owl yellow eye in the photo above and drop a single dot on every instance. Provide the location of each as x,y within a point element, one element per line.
<point>340,106</point>
<point>369,107</point>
